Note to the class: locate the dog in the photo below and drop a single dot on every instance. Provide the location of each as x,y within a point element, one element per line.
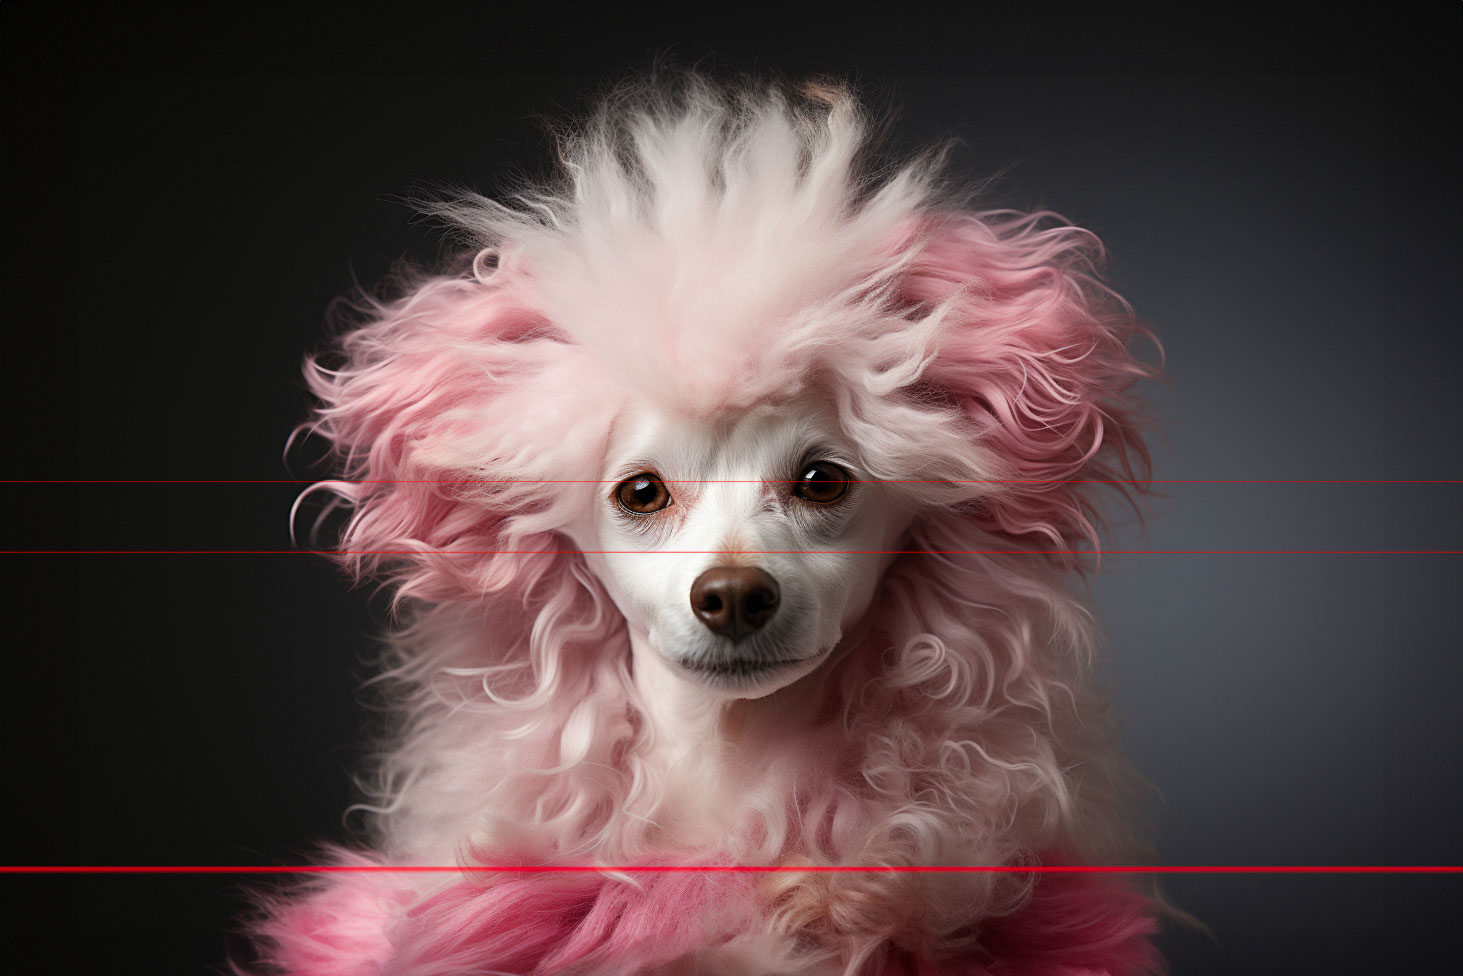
<point>730,487</point>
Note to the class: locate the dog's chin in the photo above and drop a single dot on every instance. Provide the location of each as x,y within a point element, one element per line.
<point>743,678</point>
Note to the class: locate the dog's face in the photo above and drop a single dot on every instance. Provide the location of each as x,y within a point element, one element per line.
<point>739,549</point>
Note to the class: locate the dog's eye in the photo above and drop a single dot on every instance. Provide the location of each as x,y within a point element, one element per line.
<point>642,494</point>
<point>821,482</point>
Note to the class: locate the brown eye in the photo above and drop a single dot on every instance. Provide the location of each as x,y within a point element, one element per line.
<point>822,482</point>
<point>643,494</point>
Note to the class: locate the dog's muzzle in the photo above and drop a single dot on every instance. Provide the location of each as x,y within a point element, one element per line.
<point>734,601</point>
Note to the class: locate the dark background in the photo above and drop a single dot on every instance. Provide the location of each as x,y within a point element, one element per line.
<point>187,187</point>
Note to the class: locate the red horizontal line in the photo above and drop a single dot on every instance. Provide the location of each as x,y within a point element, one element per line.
<point>733,481</point>
<point>744,552</point>
<point>725,868</point>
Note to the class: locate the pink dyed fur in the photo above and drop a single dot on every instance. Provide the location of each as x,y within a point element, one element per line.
<point>1074,925</point>
<point>340,928</point>
<point>729,249</point>
<point>571,923</point>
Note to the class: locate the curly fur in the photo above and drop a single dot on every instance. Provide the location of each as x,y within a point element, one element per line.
<point>715,249</point>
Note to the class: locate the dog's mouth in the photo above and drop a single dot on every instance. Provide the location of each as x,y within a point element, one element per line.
<point>735,670</point>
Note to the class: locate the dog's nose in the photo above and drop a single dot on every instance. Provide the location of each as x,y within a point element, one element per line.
<point>734,601</point>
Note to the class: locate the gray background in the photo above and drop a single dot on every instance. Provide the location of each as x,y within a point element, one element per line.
<point>188,188</point>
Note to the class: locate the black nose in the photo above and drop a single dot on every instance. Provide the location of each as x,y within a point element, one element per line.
<point>734,601</point>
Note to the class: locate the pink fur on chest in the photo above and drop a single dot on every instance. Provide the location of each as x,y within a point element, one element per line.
<point>670,923</point>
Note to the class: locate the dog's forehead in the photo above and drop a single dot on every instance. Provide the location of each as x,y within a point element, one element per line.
<point>704,330</point>
<point>744,439</point>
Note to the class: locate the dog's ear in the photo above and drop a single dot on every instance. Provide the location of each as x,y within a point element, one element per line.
<point>1033,348</point>
<point>427,401</point>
